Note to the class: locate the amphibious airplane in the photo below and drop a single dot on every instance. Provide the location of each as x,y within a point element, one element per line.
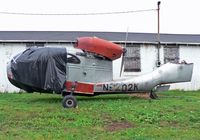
<point>86,71</point>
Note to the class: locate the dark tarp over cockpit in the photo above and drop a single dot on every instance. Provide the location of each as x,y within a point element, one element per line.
<point>40,69</point>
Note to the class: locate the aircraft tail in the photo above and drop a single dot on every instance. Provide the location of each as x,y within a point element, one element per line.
<point>174,73</point>
<point>166,74</point>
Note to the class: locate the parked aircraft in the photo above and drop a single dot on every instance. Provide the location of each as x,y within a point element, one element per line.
<point>87,71</point>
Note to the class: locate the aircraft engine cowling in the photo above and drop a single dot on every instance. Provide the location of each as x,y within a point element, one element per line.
<point>99,46</point>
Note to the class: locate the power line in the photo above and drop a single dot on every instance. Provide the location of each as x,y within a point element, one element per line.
<point>75,14</point>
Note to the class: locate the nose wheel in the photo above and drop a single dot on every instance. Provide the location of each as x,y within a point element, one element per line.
<point>69,101</point>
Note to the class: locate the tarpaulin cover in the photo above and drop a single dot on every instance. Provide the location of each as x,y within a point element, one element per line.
<point>41,68</point>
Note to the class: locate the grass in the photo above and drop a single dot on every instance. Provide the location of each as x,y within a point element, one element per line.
<point>175,115</point>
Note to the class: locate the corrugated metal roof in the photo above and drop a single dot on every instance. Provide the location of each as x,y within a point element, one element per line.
<point>69,36</point>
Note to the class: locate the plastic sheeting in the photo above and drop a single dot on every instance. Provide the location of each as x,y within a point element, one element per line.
<point>40,69</point>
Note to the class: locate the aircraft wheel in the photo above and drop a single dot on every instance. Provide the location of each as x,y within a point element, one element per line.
<point>153,95</point>
<point>69,101</point>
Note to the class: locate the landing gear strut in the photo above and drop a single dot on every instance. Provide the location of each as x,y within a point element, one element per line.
<point>153,95</point>
<point>69,101</point>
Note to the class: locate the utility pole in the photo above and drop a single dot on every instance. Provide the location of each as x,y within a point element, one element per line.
<point>158,35</point>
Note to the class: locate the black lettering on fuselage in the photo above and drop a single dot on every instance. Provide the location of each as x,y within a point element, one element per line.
<point>105,87</point>
<point>120,87</point>
<point>130,87</point>
<point>135,87</point>
<point>124,87</point>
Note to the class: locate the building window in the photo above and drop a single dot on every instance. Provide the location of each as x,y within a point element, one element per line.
<point>33,44</point>
<point>171,54</point>
<point>132,61</point>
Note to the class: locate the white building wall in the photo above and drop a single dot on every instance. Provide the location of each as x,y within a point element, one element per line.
<point>116,68</point>
<point>190,54</point>
<point>148,54</point>
<point>7,51</point>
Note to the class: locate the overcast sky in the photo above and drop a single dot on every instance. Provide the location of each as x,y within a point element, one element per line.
<point>177,16</point>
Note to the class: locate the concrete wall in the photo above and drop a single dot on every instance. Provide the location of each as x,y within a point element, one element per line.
<point>148,54</point>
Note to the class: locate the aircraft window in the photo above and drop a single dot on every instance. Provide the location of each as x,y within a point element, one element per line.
<point>73,59</point>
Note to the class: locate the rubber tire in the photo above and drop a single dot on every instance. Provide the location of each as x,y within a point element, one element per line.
<point>153,95</point>
<point>69,101</point>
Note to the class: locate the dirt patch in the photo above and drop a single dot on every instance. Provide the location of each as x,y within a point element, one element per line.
<point>141,95</point>
<point>116,126</point>
<point>169,123</point>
